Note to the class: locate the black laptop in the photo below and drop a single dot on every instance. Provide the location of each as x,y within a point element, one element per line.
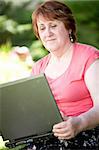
<point>28,109</point>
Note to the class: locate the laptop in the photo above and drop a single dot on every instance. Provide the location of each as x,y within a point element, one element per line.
<point>28,109</point>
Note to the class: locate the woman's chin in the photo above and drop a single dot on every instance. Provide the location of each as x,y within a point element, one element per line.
<point>51,48</point>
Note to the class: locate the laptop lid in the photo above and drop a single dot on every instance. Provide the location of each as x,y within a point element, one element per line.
<point>28,108</point>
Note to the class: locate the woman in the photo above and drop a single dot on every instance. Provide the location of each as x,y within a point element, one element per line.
<point>72,70</point>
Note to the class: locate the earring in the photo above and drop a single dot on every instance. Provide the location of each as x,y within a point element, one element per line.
<point>71,37</point>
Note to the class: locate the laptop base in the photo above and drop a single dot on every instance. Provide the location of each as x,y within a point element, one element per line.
<point>27,140</point>
<point>44,143</point>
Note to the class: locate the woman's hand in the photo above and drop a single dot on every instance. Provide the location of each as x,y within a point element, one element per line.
<point>68,128</point>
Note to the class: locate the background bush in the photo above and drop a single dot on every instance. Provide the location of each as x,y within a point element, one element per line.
<point>16,23</point>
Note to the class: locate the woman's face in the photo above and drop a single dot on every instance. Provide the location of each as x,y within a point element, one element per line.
<point>53,34</point>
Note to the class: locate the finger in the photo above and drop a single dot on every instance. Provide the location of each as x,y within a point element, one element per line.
<point>59,125</point>
<point>67,135</point>
<point>61,130</point>
<point>63,136</point>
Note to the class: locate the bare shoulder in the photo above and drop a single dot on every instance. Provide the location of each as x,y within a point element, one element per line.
<point>93,69</point>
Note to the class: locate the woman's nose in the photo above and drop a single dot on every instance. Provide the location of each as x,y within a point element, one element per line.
<point>48,32</point>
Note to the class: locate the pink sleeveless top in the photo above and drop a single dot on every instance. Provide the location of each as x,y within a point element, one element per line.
<point>69,89</point>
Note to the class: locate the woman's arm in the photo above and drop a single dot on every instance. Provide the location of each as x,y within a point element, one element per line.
<point>91,118</point>
<point>73,125</point>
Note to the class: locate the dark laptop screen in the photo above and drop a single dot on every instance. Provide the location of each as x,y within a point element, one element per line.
<point>28,108</point>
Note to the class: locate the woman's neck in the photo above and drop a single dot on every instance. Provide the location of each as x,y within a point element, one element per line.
<point>63,53</point>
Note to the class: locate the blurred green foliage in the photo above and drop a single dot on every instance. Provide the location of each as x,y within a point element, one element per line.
<point>16,148</point>
<point>37,50</point>
<point>16,23</point>
<point>6,47</point>
<point>87,18</point>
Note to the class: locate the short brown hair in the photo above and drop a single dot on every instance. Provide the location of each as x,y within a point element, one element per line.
<point>52,10</point>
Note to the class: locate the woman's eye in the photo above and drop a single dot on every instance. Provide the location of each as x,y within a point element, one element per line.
<point>53,26</point>
<point>42,28</point>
